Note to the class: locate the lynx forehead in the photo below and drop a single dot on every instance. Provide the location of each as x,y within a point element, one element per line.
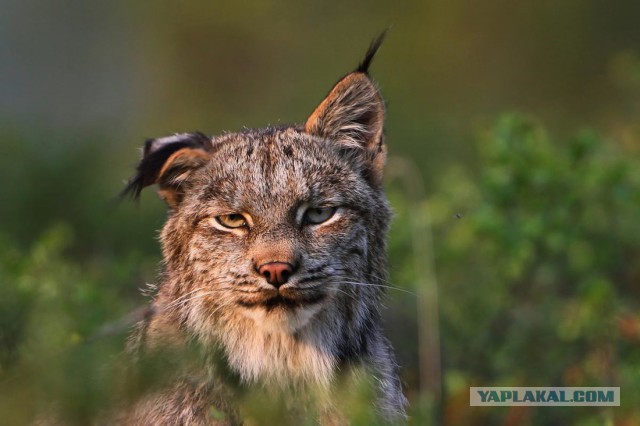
<point>274,249</point>
<point>274,170</point>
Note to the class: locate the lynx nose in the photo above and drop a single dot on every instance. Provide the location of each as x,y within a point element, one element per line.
<point>276,273</point>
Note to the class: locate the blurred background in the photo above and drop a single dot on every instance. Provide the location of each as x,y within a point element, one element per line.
<point>513,129</point>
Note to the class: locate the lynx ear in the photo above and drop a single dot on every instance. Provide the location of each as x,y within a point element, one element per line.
<point>352,115</point>
<point>169,162</point>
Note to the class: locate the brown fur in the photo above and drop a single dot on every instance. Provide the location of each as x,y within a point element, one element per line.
<point>324,323</point>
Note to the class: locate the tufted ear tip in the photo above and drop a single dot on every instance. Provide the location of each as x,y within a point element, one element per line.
<point>169,162</point>
<point>363,67</point>
<point>352,116</point>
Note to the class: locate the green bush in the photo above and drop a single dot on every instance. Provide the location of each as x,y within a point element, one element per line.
<point>536,260</point>
<point>539,274</point>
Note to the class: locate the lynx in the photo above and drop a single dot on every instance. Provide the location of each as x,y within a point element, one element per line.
<point>274,254</point>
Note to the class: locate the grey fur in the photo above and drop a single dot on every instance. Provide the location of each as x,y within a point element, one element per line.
<point>326,321</point>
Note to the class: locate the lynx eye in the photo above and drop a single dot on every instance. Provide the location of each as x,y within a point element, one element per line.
<point>317,215</point>
<point>233,220</point>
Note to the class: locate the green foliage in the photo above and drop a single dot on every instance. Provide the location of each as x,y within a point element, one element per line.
<point>51,310</point>
<point>539,270</point>
<point>535,257</point>
<point>535,237</point>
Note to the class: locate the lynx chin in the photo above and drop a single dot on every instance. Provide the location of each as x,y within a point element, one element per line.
<point>274,257</point>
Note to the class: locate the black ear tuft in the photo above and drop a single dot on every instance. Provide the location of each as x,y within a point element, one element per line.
<point>371,52</point>
<point>155,154</point>
<point>352,117</point>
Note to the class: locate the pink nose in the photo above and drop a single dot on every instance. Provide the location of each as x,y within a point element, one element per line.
<point>276,273</point>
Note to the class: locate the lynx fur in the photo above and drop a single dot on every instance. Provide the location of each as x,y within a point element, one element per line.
<point>274,253</point>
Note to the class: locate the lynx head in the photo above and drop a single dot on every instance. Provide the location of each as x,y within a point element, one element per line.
<point>278,229</point>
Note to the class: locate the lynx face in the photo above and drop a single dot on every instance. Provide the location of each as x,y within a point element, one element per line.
<point>275,227</point>
<point>274,248</point>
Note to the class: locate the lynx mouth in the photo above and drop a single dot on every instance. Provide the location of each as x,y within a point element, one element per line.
<point>284,301</point>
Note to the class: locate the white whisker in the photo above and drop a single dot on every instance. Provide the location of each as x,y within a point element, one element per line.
<point>179,299</point>
<point>379,278</point>
<point>197,296</point>
<point>376,285</point>
<point>348,294</point>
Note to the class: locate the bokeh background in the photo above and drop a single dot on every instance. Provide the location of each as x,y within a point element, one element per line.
<point>514,132</point>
